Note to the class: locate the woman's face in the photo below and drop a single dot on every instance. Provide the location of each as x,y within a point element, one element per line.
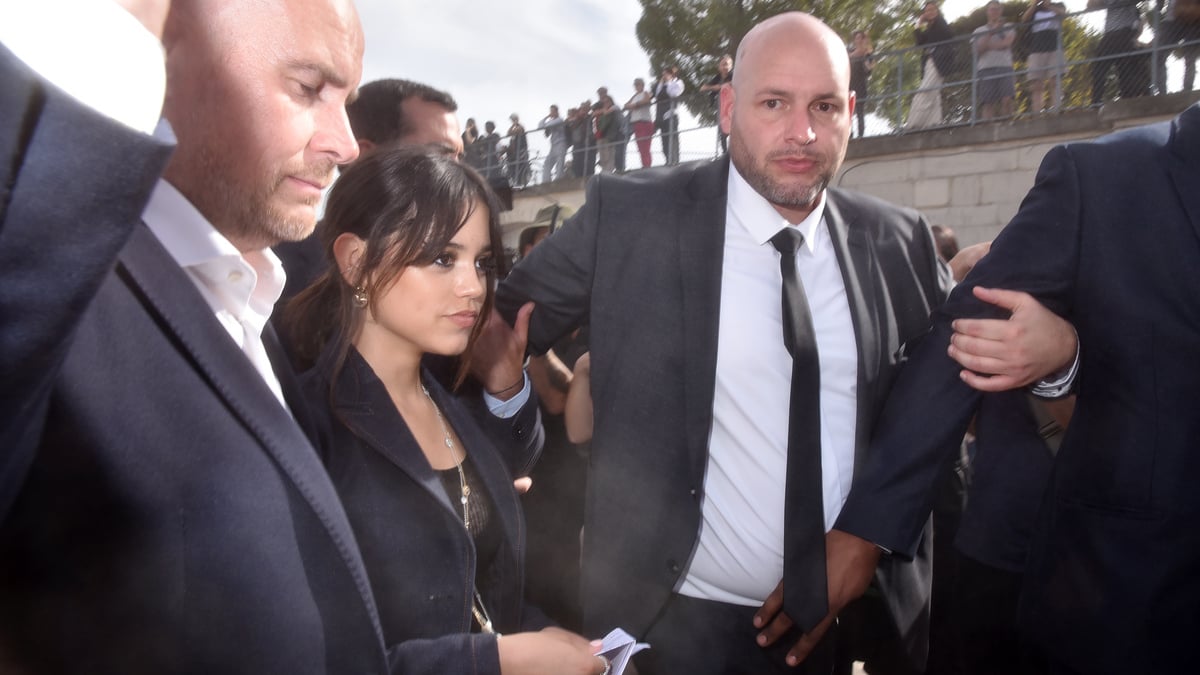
<point>432,308</point>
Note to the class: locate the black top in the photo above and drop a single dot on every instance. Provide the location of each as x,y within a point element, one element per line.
<point>485,533</point>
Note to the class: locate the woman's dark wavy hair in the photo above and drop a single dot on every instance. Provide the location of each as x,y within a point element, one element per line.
<point>406,204</point>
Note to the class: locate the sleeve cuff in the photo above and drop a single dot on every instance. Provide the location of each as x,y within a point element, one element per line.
<point>1058,384</point>
<point>507,409</point>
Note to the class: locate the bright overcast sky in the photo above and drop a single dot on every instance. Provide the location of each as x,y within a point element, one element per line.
<point>507,56</point>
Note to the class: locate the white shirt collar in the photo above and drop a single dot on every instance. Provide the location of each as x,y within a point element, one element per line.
<point>230,281</point>
<point>760,218</point>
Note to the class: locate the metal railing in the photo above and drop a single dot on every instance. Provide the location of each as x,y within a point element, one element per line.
<point>1157,57</point>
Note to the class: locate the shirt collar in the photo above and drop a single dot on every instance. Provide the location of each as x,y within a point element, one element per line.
<point>761,219</point>
<point>253,280</point>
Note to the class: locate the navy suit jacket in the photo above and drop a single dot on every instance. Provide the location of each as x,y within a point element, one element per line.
<point>641,264</point>
<point>1109,237</point>
<point>173,517</point>
<point>420,559</point>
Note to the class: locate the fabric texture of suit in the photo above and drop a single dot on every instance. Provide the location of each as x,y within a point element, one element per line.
<point>641,264</point>
<point>419,557</point>
<point>1109,237</point>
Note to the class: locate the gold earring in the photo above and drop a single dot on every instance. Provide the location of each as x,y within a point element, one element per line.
<point>360,297</point>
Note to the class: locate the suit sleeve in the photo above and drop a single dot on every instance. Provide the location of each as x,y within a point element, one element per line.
<point>557,276</point>
<point>518,438</point>
<point>929,407</point>
<point>74,186</point>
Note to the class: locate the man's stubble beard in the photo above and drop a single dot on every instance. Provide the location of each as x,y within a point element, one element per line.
<point>246,214</point>
<point>796,197</point>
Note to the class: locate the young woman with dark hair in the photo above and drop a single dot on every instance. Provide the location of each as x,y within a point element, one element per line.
<point>413,246</point>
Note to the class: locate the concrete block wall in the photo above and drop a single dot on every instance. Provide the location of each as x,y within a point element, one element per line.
<point>974,178</point>
<point>974,190</point>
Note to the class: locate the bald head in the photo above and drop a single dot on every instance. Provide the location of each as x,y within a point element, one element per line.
<point>761,44</point>
<point>788,111</point>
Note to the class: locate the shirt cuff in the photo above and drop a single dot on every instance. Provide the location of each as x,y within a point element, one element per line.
<point>1058,385</point>
<point>96,51</point>
<point>506,409</point>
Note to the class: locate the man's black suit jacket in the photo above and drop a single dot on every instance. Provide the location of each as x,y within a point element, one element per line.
<point>1109,237</point>
<point>641,263</point>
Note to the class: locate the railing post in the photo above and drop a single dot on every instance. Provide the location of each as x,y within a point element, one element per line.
<point>974,79</point>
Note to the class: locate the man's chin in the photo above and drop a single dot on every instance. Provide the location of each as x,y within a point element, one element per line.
<point>296,223</point>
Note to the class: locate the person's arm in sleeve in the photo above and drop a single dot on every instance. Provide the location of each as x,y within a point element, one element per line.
<point>74,183</point>
<point>930,405</point>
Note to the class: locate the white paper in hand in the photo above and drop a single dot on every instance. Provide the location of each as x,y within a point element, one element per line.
<point>618,647</point>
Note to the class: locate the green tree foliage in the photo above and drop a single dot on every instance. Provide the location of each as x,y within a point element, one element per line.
<point>693,34</point>
<point>898,69</point>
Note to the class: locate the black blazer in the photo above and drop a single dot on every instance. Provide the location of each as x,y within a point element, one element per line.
<point>1109,237</point>
<point>641,262</point>
<point>420,559</point>
<point>174,518</point>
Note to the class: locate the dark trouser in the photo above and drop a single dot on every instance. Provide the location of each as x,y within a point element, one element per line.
<point>867,633</point>
<point>1112,53</point>
<point>1174,32</point>
<point>704,637</point>
<point>991,640</point>
<point>669,136</point>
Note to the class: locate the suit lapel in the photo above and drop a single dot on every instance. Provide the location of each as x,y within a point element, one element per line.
<point>860,276</point>
<point>363,404</point>
<point>168,294</point>
<point>700,223</point>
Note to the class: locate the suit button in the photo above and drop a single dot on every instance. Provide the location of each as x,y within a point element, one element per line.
<point>518,431</point>
<point>673,566</point>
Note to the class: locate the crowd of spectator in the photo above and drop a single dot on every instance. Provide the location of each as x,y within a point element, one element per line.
<point>993,60</point>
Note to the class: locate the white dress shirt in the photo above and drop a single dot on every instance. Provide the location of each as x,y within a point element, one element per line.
<point>739,558</point>
<point>240,288</point>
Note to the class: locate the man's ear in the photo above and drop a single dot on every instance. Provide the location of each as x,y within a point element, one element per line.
<point>348,251</point>
<point>365,147</point>
<point>727,98</point>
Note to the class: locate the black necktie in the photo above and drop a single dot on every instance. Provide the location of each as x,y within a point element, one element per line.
<point>805,596</point>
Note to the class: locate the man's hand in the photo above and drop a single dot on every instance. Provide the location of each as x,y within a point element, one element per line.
<point>1031,344</point>
<point>849,566</point>
<point>498,360</point>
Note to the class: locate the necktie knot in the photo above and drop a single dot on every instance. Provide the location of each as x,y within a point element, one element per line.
<point>788,240</point>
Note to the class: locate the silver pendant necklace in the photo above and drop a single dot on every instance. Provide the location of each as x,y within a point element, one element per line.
<point>477,609</point>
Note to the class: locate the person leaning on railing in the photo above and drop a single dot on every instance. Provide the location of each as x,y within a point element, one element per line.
<point>1045,61</point>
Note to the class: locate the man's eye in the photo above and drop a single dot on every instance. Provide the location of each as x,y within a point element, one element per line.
<point>307,90</point>
<point>772,104</point>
